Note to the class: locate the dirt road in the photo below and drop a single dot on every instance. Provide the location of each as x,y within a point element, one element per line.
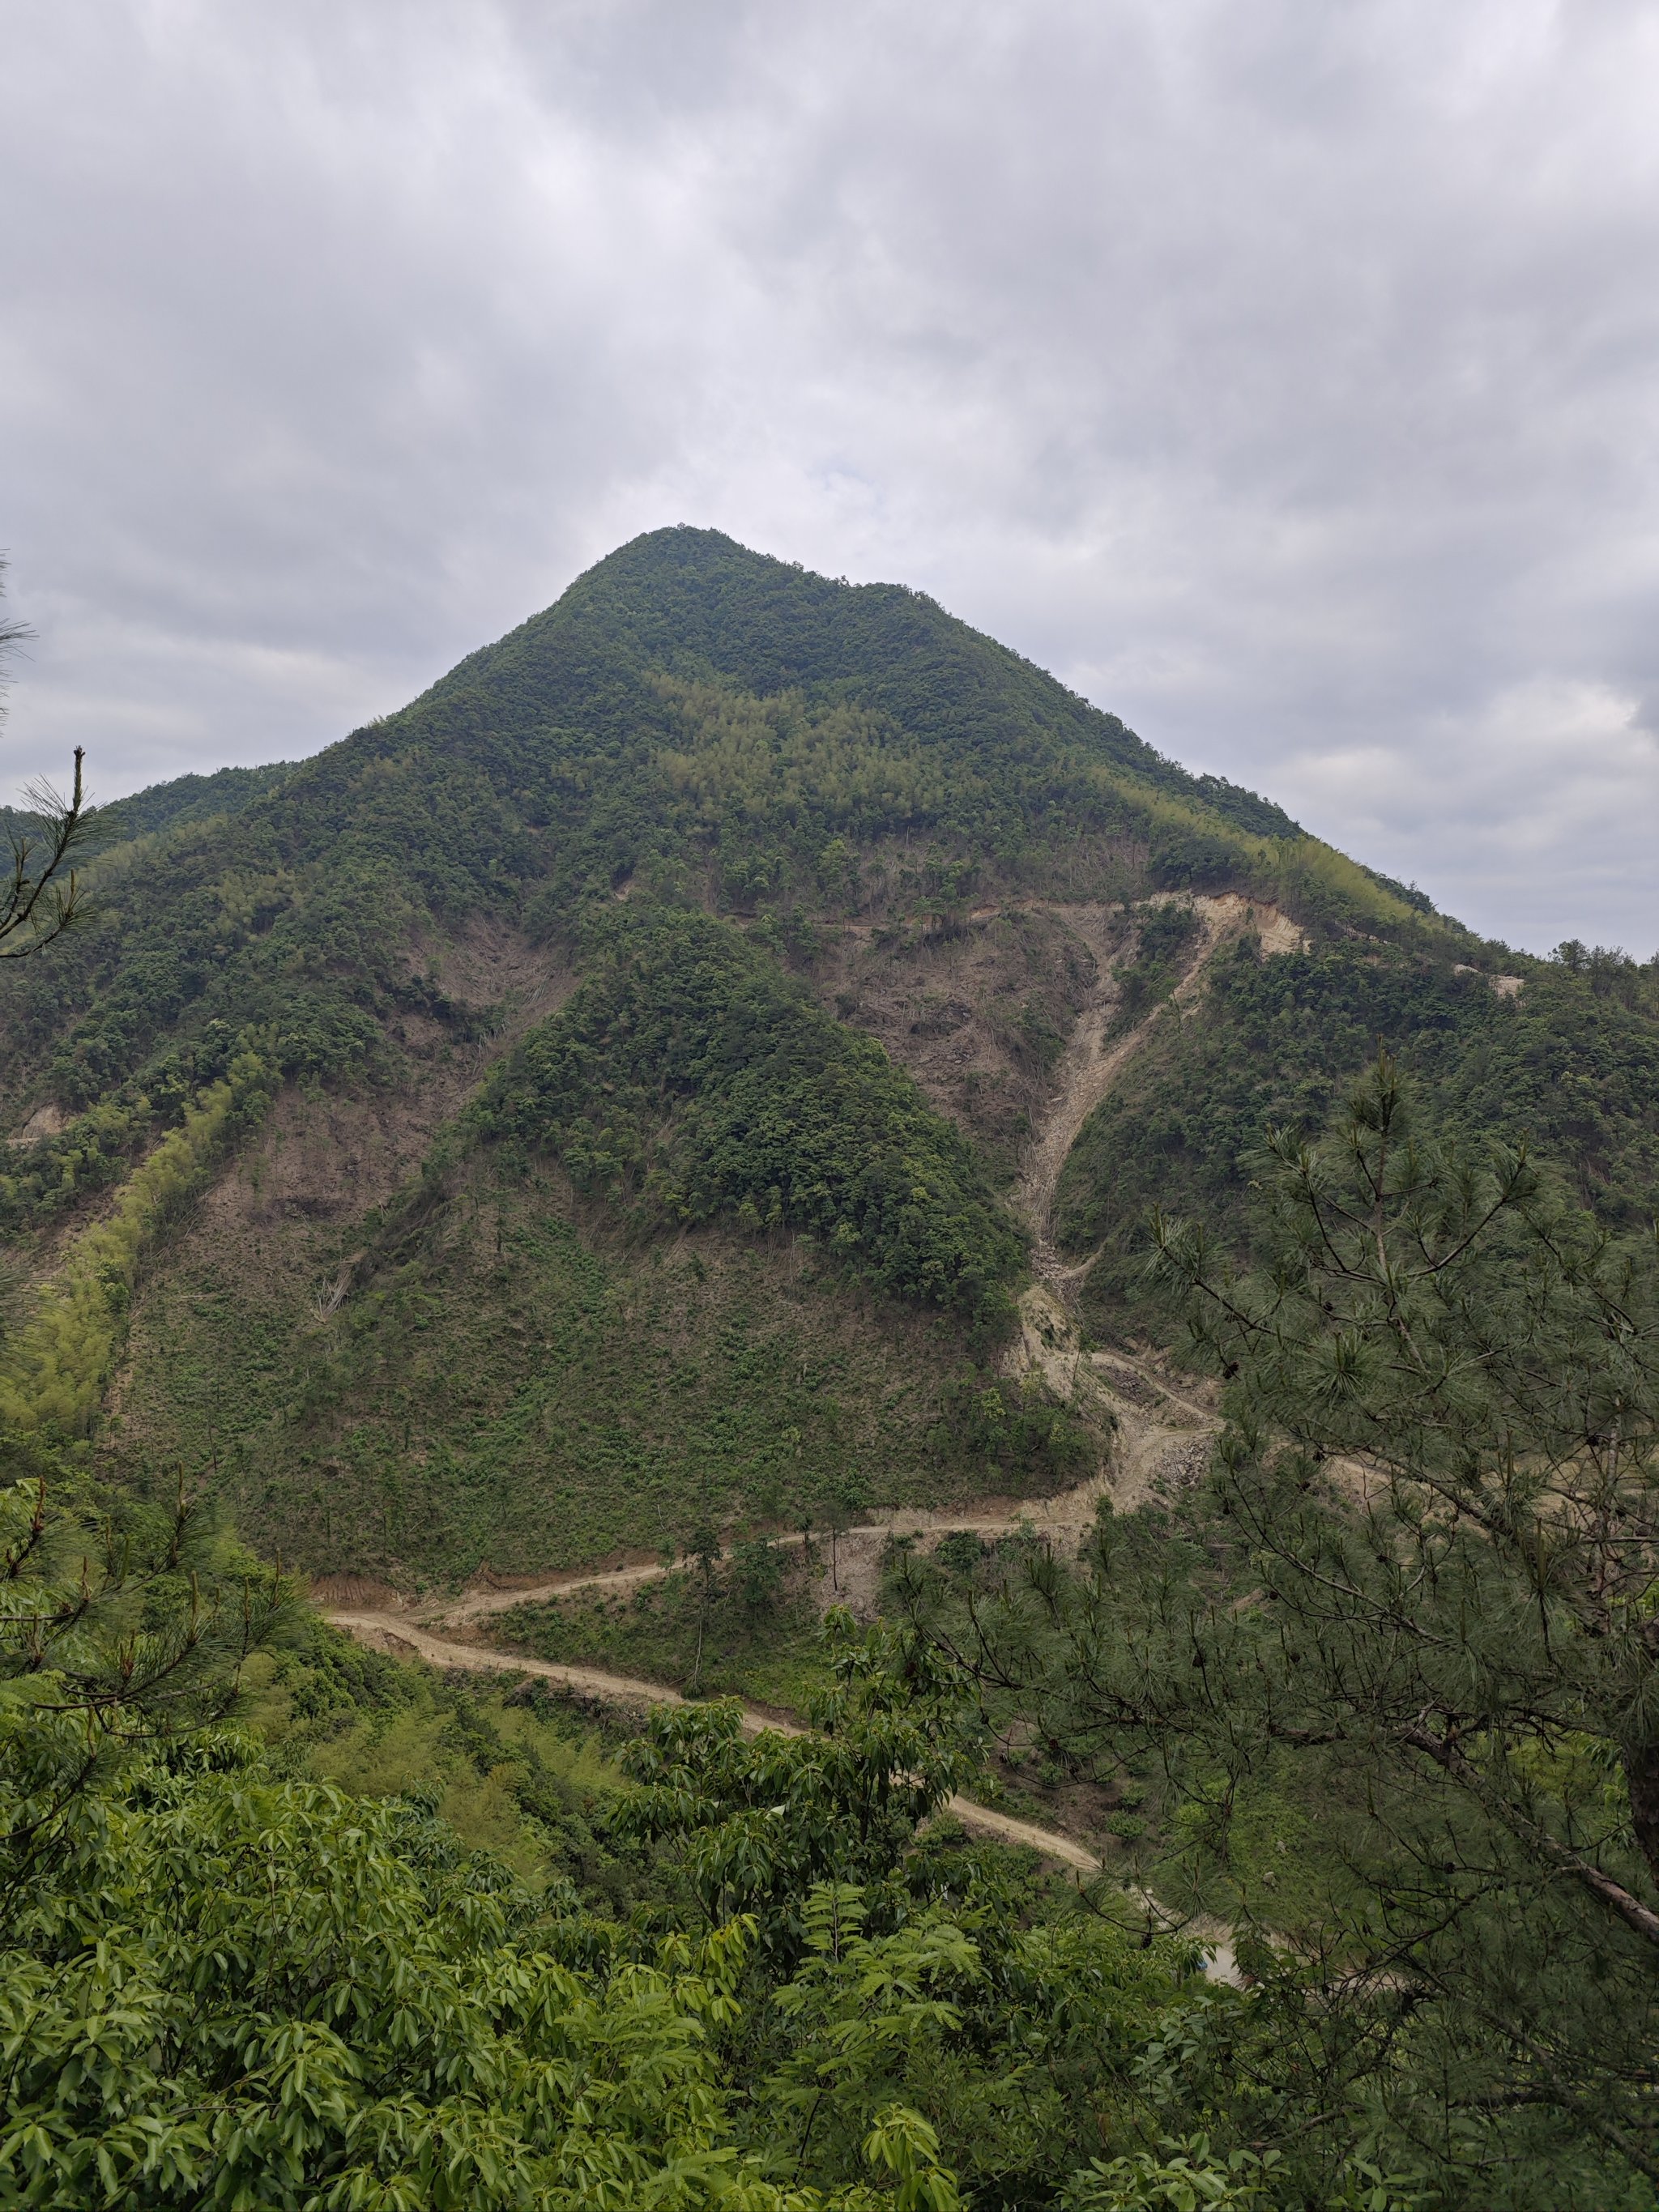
<point>404,1639</point>
<point>391,1631</point>
<point>1091,1065</point>
<point>1155,1439</point>
<point>1146,1444</point>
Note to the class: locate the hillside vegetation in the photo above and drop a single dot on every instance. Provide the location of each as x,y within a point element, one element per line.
<point>1571,1063</point>
<point>691,1071</point>
<point>657,1014</point>
<point>742,1056</point>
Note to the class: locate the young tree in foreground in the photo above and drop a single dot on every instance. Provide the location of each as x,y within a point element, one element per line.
<point>1397,1661</point>
<point>221,1988</point>
<point>116,1640</point>
<point>41,893</point>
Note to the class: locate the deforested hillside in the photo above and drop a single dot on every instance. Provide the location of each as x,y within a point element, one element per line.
<point>707,1063</point>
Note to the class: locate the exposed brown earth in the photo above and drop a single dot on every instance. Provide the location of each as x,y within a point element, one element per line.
<point>47,1121</point>
<point>1123,1392</point>
<point>332,1157</point>
<point>1094,1059</point>
<point>974,1011</point>
<point>1157,1431</point>
<point>489,964</point>
<point>320,1160</point>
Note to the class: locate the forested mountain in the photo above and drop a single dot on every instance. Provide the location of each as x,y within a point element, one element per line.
<point>749,1099</point>
<point>162,807</point>
<point>609,1093</point>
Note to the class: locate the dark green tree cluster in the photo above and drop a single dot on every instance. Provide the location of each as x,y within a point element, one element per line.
<point>690,1069</point>
<point>1571,1059</point>
<point>724,726</point>
<point>1164,948</point>
<point>1611,973</point>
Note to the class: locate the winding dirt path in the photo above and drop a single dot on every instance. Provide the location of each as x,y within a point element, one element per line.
<point>394,1633</point>
<point>1063,1519</point>
<point>1049,1344</point>
<point>1148,1446</point>
<point>485,1603</point>
<point>1092,1064</point>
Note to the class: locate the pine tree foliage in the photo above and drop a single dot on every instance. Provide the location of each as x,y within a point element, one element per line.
<point>116,1636</point>
<point>1397,1660</point>
<point>41,893</point>
<point>42,890</point>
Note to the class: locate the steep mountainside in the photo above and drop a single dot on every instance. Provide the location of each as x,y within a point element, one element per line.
<point>705,1063</point>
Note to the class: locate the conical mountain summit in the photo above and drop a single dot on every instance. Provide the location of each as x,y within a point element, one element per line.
<point>708,1062</point>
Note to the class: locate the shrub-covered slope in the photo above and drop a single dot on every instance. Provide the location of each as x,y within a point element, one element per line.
<point>367,1138</point>
<point>1570,1063</point>
<point>691,1071</point>
<point>508,1382</point>
<point>721,726</point>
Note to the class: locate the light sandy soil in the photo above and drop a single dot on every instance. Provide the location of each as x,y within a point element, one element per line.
<point>1093,1063</point>
<point>1159,1432</point>
<point>47,1121</point>
<point>1506,987</point>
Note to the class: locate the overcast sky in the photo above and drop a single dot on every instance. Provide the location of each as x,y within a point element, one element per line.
<point>1284,376</point>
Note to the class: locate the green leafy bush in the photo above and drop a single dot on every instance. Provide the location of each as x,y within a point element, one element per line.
<point>220,1988</point>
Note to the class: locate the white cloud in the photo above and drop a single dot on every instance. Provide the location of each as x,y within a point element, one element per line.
<point>1533,804</point>
<point>1283,377</point>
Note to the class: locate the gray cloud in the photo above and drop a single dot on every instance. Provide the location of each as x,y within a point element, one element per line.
<point>1283,377</point>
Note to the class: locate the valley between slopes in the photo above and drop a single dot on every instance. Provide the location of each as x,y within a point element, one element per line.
<point>1149,1450</point>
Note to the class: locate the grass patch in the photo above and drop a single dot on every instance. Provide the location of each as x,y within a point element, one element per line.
<point>702,1634</point>
<point>507,1767</point>
<point>500,1387</point>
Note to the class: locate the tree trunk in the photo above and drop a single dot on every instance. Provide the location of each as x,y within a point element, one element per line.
<point>1642,1776</point>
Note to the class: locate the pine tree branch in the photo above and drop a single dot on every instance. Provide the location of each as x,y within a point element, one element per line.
<point>37,902</point>
<point>1446,1755</point>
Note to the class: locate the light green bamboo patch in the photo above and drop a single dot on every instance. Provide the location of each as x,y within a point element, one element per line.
<point>54,1373</point>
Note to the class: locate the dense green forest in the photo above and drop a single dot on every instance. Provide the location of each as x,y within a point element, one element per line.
<point>1571,1063</point>
<point>1382,1681</point>
<point>707,1076</point>
<point>727,1092</point>
<point>379,1942</point>
<point>181,800</point>
<point>188,798</point>
<point>574,756</point>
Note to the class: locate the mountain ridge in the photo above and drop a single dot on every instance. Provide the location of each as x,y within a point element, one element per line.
<point>922,896</point>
